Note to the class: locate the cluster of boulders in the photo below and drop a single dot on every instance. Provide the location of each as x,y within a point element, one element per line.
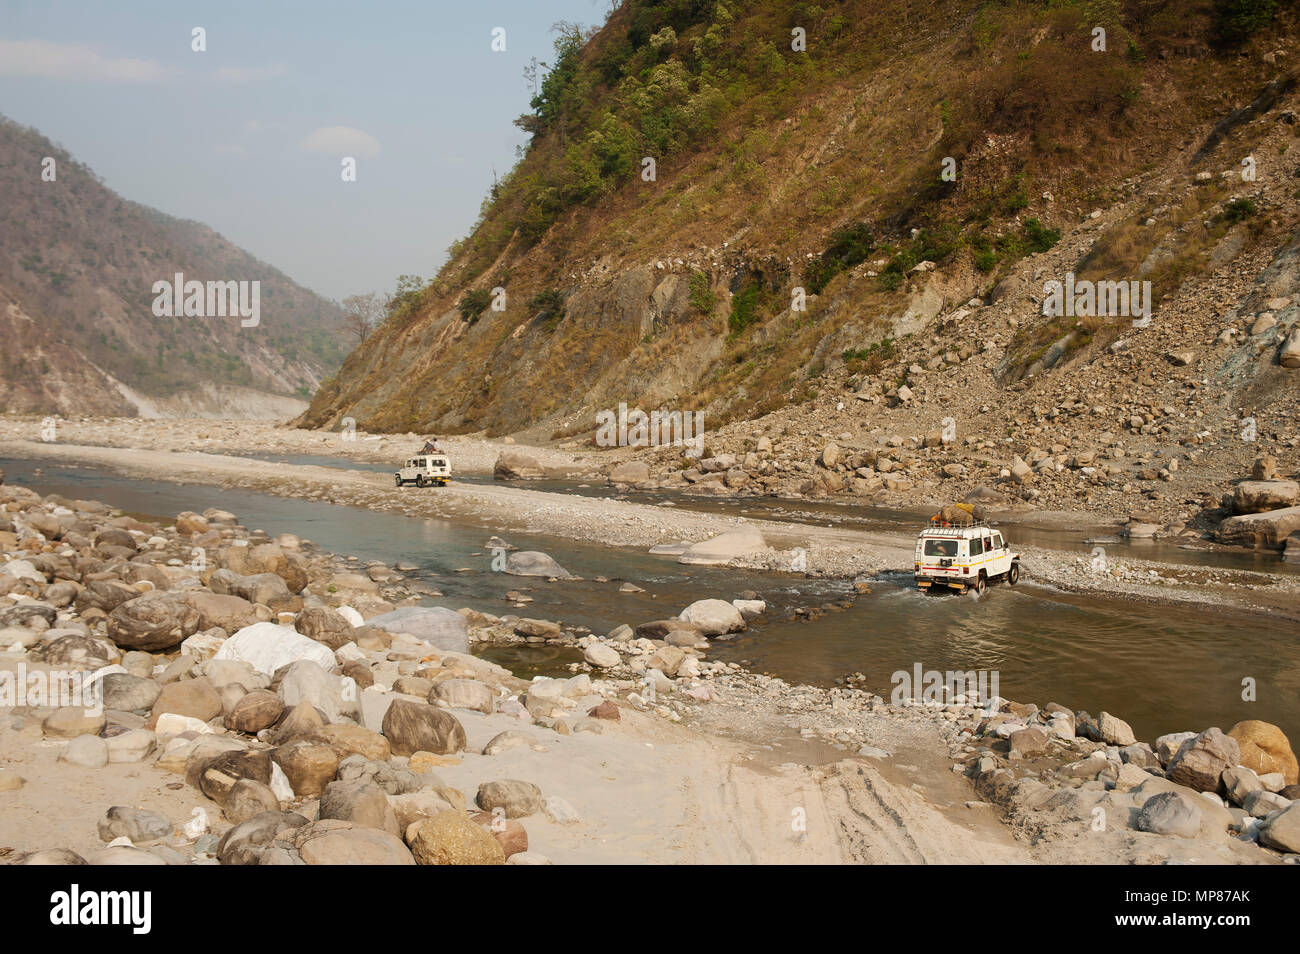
<point>1265,511</point>
<point>1051,765</point>
<point>306,711</point>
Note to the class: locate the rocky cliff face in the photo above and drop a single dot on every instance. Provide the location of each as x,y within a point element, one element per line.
<point>77,269</point>
<point>816,215</point>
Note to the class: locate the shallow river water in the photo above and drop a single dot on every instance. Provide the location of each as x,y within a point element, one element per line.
<point>1162,669</point>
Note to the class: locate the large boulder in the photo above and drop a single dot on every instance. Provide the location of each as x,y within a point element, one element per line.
<point>453,838</point>
<point>152,622</point>
<point>1265,749</point>
<point>1288,354</point>
<point>1262,531</point>
<point>412,727</point>
<point>462,694</point>
<point>244,844</point>
<point>713,617</point>
<point>438,626</point>
<point>194,698</point>
<point>306,681</point>
<point>307,764</point>
<point>535,563</point>
<point>1260,496</point>
<point>512,796</point>
<point>1282,831</point>
<point>1201,761</point>
<point>725,547</point>
<point>340,843</point>
<point>267,647</point>
<point>515,465</point>
<point>227,611</point>
<point>629,472</point>
<point>325,626</point>
<point>360,802</point>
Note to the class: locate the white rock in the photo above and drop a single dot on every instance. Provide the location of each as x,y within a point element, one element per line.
<point>267,647</point>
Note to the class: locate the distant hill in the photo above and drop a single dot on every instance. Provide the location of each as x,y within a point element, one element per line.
<point>77,269</point>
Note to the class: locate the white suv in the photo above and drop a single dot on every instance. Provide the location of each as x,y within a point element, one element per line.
<point>425,470</point>
<point>963,557</point>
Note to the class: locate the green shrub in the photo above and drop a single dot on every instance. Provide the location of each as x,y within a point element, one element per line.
<point>744,310</point>
<point>1039,238</point>
<point>473,303</point>
<point>1238,210</point>
<point>701,297</point>
<point>1236,21</point>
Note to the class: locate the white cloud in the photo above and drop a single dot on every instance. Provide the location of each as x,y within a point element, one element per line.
<point>341,141</point>
<point>250,74</point>
<point>71,62</point>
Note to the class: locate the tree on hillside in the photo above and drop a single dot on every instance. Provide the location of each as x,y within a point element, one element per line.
<point>361,313</point>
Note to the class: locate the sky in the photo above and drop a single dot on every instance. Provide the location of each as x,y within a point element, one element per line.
<point>248,136</point>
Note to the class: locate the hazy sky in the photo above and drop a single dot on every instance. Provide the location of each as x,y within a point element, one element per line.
<point>248,136</point>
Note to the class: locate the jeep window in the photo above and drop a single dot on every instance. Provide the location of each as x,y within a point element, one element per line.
<point>997,541</point>
<point>976,548</point>
<point>942,548</point>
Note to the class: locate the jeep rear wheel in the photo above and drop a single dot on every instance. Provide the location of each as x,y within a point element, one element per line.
<point>980,582</point>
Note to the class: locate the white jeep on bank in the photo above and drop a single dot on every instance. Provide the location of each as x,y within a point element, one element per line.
<point>963,556</point>
<point>425,470</point>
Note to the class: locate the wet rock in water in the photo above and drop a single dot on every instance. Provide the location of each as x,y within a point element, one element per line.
<point>1114,731</point>
<point>360,802</point>
<point>338,843</point>
<point>535,563</point>
<point>309,766</point>
<point>629,472</point>
<point>452,838</point>
<point>462,694</point>
<point>1266,749</point>
<point>1171,813</point>
<point>152,622</point>
<point>515,465</point>
<point>602,656</point>
<point>1262,531</point>
<point>412,727</point>
<point>1200,761</point>
<point>713,617</point>
<point>725,547</point>
<point>268,647</point>
<point>436,625</point>
<point>139,826</point>
<point>1238,782</point>
<point>1282,831</point>
<point>244,844</point>
<point>518,799</point>
<point>248,799</point>
<point>256,711</point>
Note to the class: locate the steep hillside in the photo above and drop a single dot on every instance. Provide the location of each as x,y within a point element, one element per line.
<point>779,171</point>
<point>77,268</point>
